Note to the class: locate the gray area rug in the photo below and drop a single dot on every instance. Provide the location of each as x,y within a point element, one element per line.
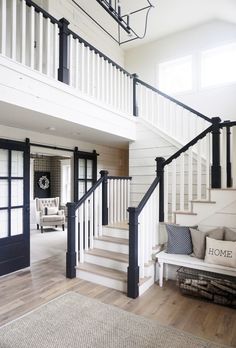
<point>74,321</point>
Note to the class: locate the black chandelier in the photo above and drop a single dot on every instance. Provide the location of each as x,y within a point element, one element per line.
<point>124,21</point>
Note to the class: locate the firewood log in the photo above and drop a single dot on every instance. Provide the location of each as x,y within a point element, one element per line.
<point>223,287</point>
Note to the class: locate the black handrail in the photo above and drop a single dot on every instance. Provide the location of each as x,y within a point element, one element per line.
<point>188,145</point>
<point>45,14</point>
<point>228,124</point>
<point>120,177</point>
<point>97,51</point>
<point>88,193</point>
<point>174,100</point>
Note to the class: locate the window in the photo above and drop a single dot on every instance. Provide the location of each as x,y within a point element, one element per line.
<point>65,181</point>
<point>218,66</point>
<point>176,76</point>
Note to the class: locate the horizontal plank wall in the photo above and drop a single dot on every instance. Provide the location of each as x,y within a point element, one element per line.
<point>85,27</point>
<point>142,154</point>
<point>113,159</point>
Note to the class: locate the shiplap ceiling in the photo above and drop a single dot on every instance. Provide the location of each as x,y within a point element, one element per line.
<point>170,16</point>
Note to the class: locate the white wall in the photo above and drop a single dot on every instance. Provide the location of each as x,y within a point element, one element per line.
<point>84,26</point>
<point>218,101</point>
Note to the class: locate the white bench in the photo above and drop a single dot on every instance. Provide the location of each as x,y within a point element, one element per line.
<point>164,259</point>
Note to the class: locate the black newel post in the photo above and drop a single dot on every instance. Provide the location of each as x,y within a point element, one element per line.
<point>160,173</point>
<point>133,268</point>
<point>63,71</point>
<point>135,106</point>
<point>71,253</point>
<point>216,168</point>
<point>104,174</point>
<point>228,157</point>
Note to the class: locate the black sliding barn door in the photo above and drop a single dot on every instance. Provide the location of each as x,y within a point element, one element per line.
<point>85,172</point>
<point>14,206</point>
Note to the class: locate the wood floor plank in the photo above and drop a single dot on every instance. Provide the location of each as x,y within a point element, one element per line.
<point>26,290</point>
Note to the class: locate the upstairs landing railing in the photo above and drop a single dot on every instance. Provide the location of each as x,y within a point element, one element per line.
<point>34,38</point>
<point>157,203</point>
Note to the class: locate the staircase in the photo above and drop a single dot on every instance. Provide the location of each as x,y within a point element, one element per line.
<point>107,263</point>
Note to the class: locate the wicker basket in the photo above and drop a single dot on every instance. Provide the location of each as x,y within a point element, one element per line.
<point>217,288</point>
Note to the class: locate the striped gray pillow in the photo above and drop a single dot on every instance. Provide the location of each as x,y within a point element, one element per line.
<point>179,240</point>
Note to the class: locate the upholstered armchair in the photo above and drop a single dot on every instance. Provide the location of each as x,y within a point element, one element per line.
<point>48,213</point>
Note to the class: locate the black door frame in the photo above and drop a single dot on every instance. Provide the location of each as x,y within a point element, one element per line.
<point>15,250</point>
<point>87,156</point>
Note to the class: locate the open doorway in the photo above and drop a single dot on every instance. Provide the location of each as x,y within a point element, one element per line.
<point>50,190</point>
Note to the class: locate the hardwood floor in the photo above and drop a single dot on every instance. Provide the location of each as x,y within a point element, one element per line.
<point>25,290</point>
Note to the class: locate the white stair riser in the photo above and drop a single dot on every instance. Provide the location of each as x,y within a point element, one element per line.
<point>105,262</point>
<point>104,245</point>
<point>115,232</point>
<point>145,286</point>
<point>186,220</point>
<point>101,280</point>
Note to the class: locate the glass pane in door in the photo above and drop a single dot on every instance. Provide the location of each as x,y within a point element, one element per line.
<point>3,163</point>
<point>89,169</point>
<point>3,193</point>
<point>81,188</point>
<point>17,163</point>
<point>3,223</point>
<point>17,193</point>
<point>81,168</point>
<point>16,221</point>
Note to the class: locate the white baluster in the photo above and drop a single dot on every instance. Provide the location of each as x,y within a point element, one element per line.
<point>98,91</point>
<point>77,236</point>
<point>190,178</point>
<point>91,221</point>
<point>3,27</point>
<point>23,31</point>
<point>208,166</point>
<point>199,170</point>
<point>40,42</point>
<point>56,50</point>
<point>88,51</point>
<point>77,62</point>
<point>173,189</point>
<point>94,75</point>
<point>111,84</point>
<point>115,201</point>
<point>48,46</point>
<point>122,199</point>
<point>166,193</point>
<point>86,224</point>
<point>100,211</point>
<point>32,37</point>
<point>81,233</point>
<point>95,198</point>
<point>223,158</point>
<point>13,31</point>
<point>71,61</point>
<point>182,173</point>
<point>82,64</point>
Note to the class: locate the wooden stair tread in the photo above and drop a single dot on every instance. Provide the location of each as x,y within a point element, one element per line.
<point>119,226</point>
<point>107,272</point>
<point>184,212</point>
<point>202,201</point>
<point>109,255</point>
<point>103,271</point>
<point>113,240</point>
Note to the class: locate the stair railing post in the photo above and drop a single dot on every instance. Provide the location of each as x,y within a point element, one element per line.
<point>133,268</point>
<point>63,71</point>
<point>71,250</point>
<point>216,167</point>
<point>135,104</point>
<point>228,157</point>
<point>160,173</point>
<point>104,174</point>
